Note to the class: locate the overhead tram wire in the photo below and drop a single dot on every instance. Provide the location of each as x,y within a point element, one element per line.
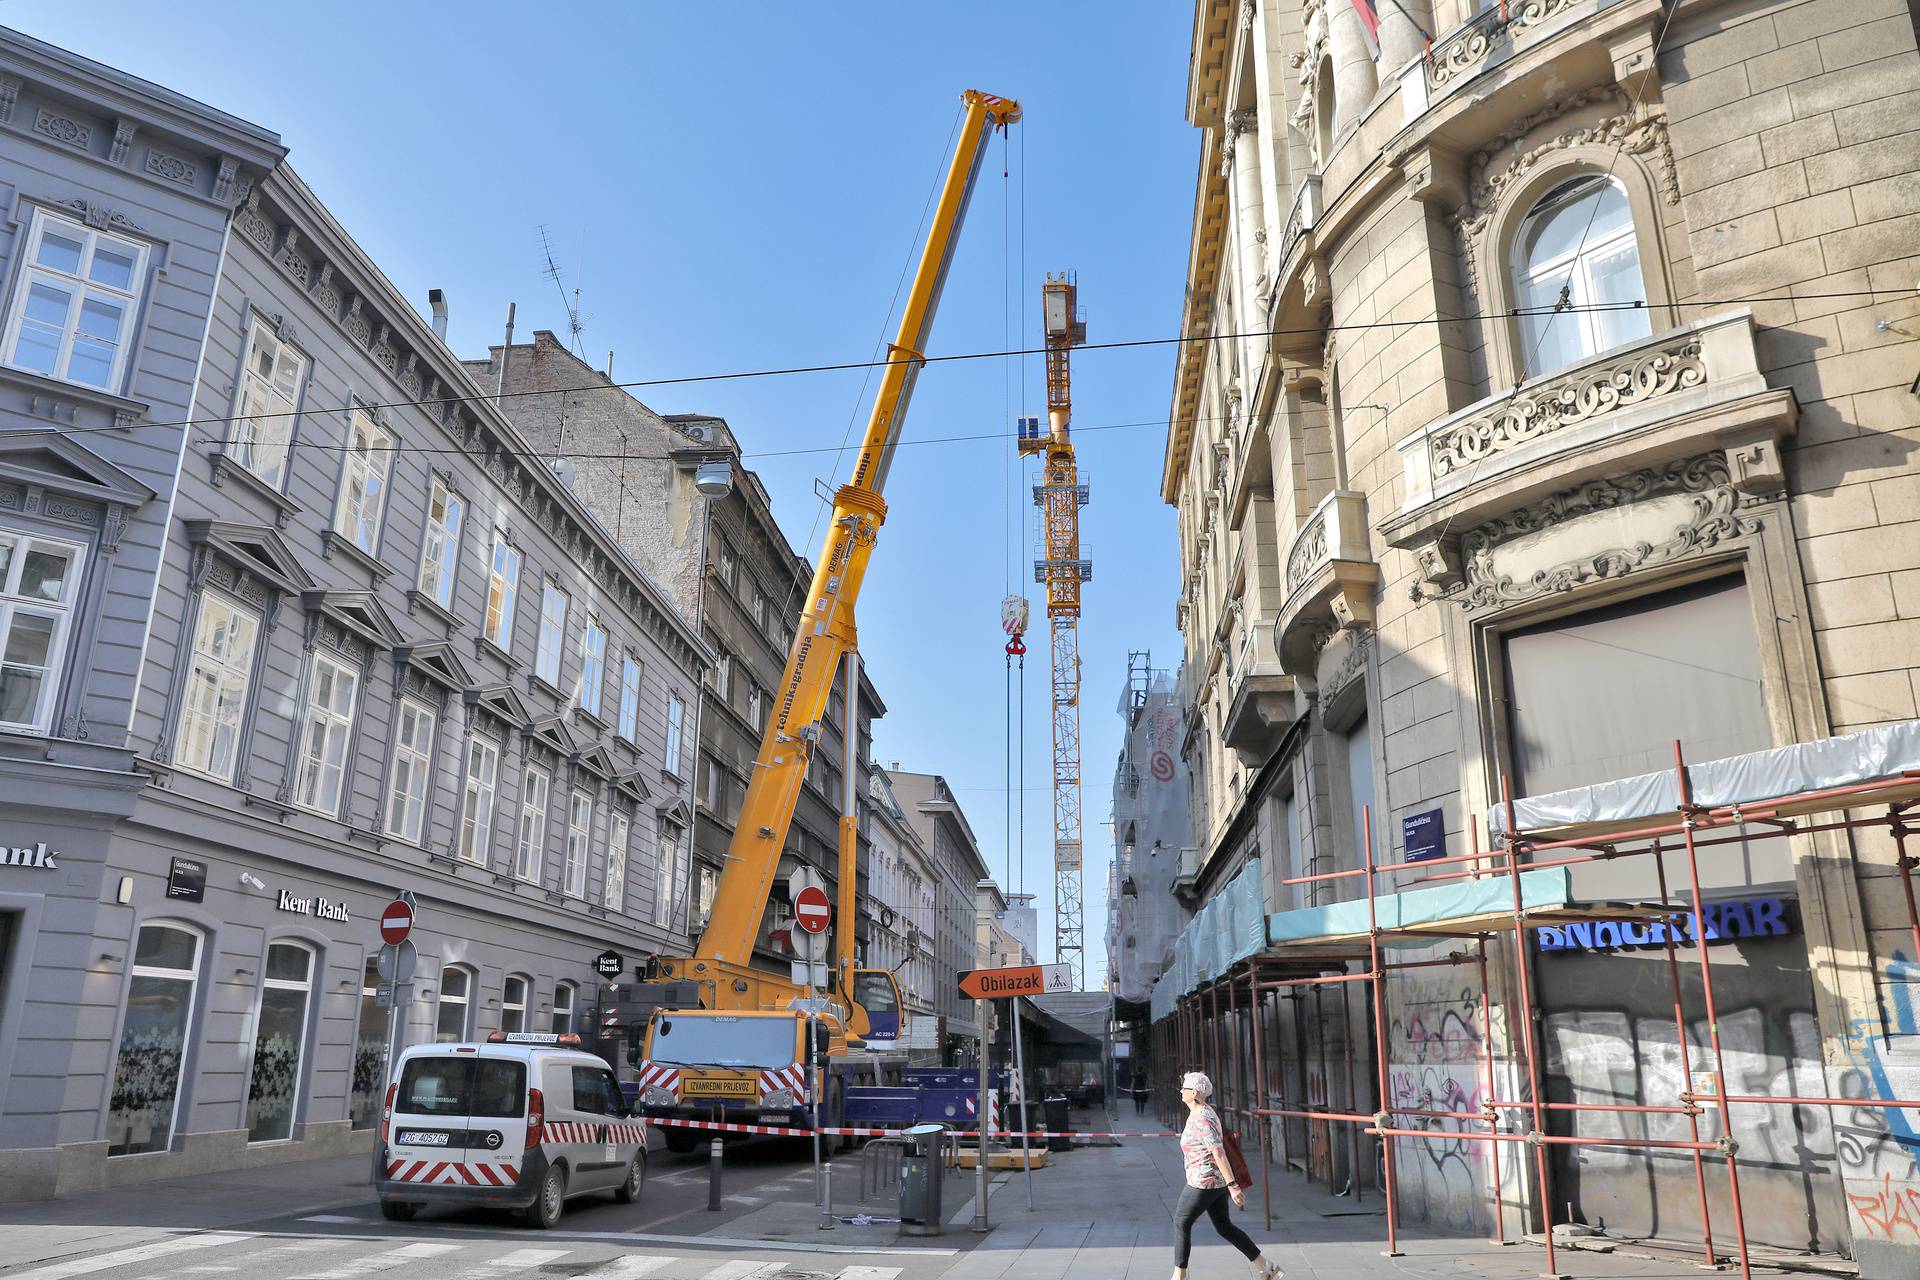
<point>1638,304</point>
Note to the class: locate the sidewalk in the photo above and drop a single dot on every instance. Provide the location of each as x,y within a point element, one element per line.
<point>1105,1213</point>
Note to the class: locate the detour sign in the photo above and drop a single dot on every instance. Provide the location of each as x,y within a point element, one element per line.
<point>1020,980</point>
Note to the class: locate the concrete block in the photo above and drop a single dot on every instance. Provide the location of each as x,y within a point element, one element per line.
<point>1887,197</point>
<point>1766,272</point>
<point>1906,592</point>
<point>1874,647</point>
<point>1851,602</point>
<point>1874,242</point>
<point>1866,42</point>
<point>1735,159</point>
<point>1825,421</point>
<point>1799,140</point>
<point>1898,498</point>
<point>1863,162</point>
<point>1863,82</point>
<point>1880,118</point>
<point>1690,97</point>
<point>1780,347</point>
<point>1816,215</point>
<point>1806,21</point>
<point>1860,553</point>
<point>1838,292</point>
<point>1716,49</point>
<point>1793,63</point>
<point>1725,241</point>
<point>1694,134</point>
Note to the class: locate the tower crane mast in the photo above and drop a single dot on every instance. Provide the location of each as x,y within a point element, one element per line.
<point>1059,496</point>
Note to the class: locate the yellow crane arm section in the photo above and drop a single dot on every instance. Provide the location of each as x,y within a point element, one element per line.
<point>826,629</point>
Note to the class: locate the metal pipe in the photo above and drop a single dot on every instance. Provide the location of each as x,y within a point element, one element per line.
<point>1549,1139</point>
<point>713,1174</point>
<point>1686,1054</point>
<point>1905,863</point>
<point>1486,1056</point>
<point>1713,1016</point>
<point>1379,1033</point>
<point>506,354</point>
<point>1260,1092</point>
<point>1525,1014</point>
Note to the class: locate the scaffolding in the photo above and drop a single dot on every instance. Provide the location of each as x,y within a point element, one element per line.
<point>1225,1025</point>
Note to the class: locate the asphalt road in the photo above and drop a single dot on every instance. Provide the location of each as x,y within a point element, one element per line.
<point>769,1227</point>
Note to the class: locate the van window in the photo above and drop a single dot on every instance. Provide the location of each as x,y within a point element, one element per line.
<point>595,1093</point>
<point>723,1041</point>
<point>492,1087</point>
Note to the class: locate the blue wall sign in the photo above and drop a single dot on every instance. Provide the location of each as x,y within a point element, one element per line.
<point>1724,922</point>
<point>1424,835</point>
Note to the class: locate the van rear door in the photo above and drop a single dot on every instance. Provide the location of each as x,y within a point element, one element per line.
<point>459,1119</point>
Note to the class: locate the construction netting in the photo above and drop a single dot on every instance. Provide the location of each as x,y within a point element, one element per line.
<point>1229,928</point>
<point>1149,834</point>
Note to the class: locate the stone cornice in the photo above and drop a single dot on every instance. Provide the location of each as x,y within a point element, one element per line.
<point>288,225</point>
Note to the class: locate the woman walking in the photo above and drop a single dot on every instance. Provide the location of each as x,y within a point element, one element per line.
<point>1209,1182</point>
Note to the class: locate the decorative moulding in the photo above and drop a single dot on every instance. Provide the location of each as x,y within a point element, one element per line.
<point>172,168</point>
<point>63,129</point>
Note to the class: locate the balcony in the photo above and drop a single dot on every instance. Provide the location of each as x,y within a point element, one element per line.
<point>1330,580</point>
<point>1187,877</point>
<point>1691,394</point>
<point>1260,697</point>
<point>1516,41</point>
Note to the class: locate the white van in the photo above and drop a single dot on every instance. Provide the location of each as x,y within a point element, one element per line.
<point>523,1121</point>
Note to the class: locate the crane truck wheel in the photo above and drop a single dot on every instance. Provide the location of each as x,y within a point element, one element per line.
<point>683,1142</point>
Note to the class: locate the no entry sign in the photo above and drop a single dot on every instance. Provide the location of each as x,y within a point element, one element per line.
<point>811,910</point>
<point>396,922</point>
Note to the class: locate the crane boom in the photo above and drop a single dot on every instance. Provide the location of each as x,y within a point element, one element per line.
<point>826,629</point>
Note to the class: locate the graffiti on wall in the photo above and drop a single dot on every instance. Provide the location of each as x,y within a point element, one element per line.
<point>1879,1147</point>
<point>1438,1065</point>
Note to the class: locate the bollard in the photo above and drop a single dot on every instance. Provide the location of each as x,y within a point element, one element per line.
<point>713,1176</point>
<point>826,1196</point>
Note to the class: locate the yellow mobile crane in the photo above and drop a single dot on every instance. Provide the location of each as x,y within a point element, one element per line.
<point>730,989</point>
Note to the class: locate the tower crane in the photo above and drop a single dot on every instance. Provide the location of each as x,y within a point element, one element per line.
<point>1059,496</point>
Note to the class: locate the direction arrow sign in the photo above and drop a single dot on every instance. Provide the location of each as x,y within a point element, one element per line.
<point>396,922</point>
<point>811,910</point>
<point>1020,980</point>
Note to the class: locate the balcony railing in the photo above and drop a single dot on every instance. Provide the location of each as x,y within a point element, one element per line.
<point>1462,52</point>
<point>1330,577</point>
<point>1302,217</point>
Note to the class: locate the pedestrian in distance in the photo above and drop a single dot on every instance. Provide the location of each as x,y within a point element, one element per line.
<point>1210,1183</point>
<point>1139,1095</point>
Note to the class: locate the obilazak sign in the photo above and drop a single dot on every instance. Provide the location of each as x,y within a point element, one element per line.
<point>1722,921</point>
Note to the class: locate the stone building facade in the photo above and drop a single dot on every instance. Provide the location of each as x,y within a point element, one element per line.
<point>936,817</point>
<point>903,882</point>
<point>347,635</point>
<point>1558,405</point>
<point>730,566</point>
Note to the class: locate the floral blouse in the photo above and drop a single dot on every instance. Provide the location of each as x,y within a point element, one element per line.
<point>1197,1144</point>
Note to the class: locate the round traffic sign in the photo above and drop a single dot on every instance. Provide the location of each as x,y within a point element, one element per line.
<point>811,910</point>
<point>396,922</point>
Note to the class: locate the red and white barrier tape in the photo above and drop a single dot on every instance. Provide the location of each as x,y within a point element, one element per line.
<point>786,1131</point>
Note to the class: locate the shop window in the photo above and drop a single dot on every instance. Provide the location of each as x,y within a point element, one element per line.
<point>363,482</point>
<point>75,303</point>
<point>39,578</point>
<point>579,837</point>
<point>476,805</point>
<point>534,790</point>
<point>369,1051</point>
<point>513,1003</point>
<point>562,1008</point>
<point>279,1043</point>
<point>440,556</point>
<point>1578,240</point>
<point>264,405</point>
<point>146,1072</point>
<point>456,995</point>
<point>614,891</point>
<point>216,696</point>
<point>325,731</point>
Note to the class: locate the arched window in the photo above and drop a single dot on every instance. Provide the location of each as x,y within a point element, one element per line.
<point>279,1042</point>
<point>1578,239</point>
<point>513,1003</point>
<point>1323,122</point>
<point>456,993</point>
<point>153,1042</point>
<point>562,1008</point>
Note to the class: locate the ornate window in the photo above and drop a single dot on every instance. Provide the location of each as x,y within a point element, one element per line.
<point>476,805</point>
<point>326,729</point>
<point>1578,242</point>
<point>446,511</point>
<point>593,665</point>
<point>264,405</point>
<point>39,579</point>
<point>534,790</point>
<point>217,679</point>
<point>553,633</point>
<point>503,585</point>
<point>153,1040</point>
<point>630,698</point>
<point>74,307</point>
<point>666,871</point>
<point>579,838</point>
<point>363,482</point>
<point>676,732</point>
<point>513,1002</point>
<point>614,892</point>
<point>412,762</point>
<point>279,1043</point>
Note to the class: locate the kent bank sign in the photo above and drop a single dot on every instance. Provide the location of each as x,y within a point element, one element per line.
<point>1720,921</point>
<point>33,855</point>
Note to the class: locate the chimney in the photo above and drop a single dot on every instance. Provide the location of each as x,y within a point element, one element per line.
<point>437,303</point>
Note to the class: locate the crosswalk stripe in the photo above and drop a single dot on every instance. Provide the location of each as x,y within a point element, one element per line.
<point>741,1270</point>
<point>868,1273</point>
<point>632,1267</point>
<point>521,1259</point>
<point>386,1260</point>
<point>127,1257</point>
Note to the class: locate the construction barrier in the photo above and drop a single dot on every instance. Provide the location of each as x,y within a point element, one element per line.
<point>786,1131</point>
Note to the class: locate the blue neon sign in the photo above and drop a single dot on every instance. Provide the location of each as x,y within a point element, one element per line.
<point>1723,921</point>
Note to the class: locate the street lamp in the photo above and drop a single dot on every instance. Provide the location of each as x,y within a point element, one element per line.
<point>714,478</point>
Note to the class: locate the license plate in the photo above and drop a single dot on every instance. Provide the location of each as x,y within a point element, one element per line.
<point>719,1088</point>
<point>414,1139</point>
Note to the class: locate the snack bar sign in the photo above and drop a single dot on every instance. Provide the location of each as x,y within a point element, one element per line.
<point>1720,922</point>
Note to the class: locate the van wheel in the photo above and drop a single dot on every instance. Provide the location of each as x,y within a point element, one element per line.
<point>629,1191</point>
<point>545,1210</point>
<point>398,1210</point>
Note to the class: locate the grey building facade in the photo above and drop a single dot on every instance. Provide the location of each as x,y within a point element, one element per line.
<point>387,649</point>
<point>731,567</point>
<point>936,817</point>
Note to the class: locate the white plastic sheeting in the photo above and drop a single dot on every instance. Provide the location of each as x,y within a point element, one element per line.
<point>1149,827</point>
<point>1456,900</point>
<point>1743,780</point>
<point>1230,927</point>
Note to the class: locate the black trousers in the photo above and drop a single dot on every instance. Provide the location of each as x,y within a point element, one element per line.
<point>1213,1202</point>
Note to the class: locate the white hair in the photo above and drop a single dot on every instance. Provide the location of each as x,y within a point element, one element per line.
<point>1198,1082</point>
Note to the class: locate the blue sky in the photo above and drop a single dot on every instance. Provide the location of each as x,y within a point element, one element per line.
<point>738,187</point>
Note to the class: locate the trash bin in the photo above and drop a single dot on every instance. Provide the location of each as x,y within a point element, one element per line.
<point>921,1167</point>
<point>1059,1121</point>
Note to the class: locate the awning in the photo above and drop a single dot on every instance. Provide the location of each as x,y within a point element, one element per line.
<point>1459,908</point>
